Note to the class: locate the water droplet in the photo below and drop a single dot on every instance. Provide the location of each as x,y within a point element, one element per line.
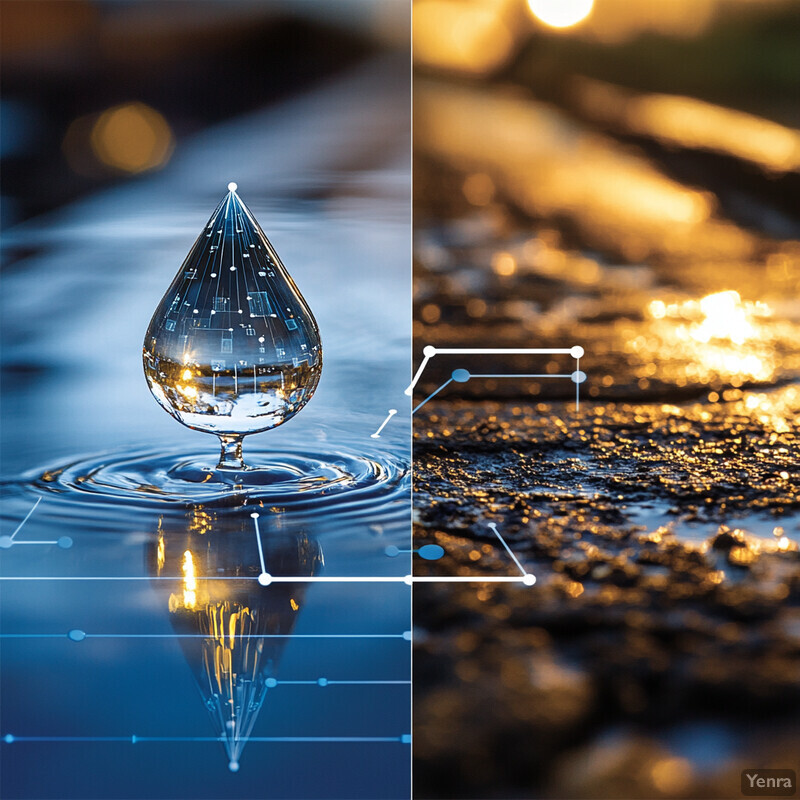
<point>232,351</point>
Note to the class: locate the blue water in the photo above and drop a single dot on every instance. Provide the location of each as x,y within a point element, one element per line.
<point>82,435</point>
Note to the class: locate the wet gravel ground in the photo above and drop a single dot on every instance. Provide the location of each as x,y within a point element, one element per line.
<point>658,654</point>
<point>656,605</point>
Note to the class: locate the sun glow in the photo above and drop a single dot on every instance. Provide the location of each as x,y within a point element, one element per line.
<point>726,317</point>
<point>561,13</point>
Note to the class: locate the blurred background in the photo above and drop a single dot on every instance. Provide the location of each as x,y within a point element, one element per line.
<point>98,92</point>
<point>621,175</point>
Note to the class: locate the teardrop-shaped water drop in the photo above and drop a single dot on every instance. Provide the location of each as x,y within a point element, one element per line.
<point>233,347</point>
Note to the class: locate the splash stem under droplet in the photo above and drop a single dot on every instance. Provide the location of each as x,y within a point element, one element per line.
<point>231,453</point>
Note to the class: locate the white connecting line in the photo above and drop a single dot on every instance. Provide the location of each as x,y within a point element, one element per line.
<point>527,578</point>
<point>462,375</point>
<point>377,434</point>
<point>265,579</point>
<point>430,351</point>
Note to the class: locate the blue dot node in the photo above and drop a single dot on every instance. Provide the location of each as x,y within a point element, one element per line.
<point>460,375</point>
<point>76,635</point>
<point>579,376</point>
<point>407,635</point>
<point>406,738</point>
<point>6,542</point>
<point>271,683</point>
<point>392,551</point>
<point>431,552</point>
<point>8,738</point>
<point>322,682</point>
<point>233,766</point>
<point>64,542</point>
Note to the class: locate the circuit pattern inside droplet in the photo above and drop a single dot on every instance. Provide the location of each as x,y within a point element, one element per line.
<point>233,347</point>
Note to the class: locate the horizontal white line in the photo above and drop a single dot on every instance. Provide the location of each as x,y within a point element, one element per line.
<point>501,350</point>
<point>468,579</point>
<point>294,578</point>
<point>28,541</point>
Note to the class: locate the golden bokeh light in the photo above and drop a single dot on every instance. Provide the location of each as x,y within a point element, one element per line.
<point>616,197</point>
<point>464,37</point>
<point>132,138</point>
<point>691,123</point>
<point>672,775</point>
<point>726,317</point>
<point>719,335</point>
<point>504,264</point>
<point>561,13</point>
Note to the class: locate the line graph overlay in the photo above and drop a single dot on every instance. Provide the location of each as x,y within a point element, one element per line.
<point>430,351</point>
<point>463,375</point>
<point>7,542</point>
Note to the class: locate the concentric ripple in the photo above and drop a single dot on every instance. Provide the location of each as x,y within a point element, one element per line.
<point>292,480</point>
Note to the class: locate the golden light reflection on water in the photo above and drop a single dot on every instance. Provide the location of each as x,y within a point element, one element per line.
<point>232,629</point>
<point>721,315</point>
<point>617,198</point>
<point>692,123</point>
<point>719,335</point>
<point>189,581</point>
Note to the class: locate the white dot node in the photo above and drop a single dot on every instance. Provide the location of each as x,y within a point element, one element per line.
<point>265,579</point>
<point>577,351</point>
<point>254,515</point>
<point>429,350</point>
<point>233,766</point>
<point>528,579</point>
<point>408,580</point>
<point>232,187</point>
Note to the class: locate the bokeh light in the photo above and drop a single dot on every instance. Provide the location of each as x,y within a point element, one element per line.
<point>462,37</point>
<point>132,138</point>
<point>561,13</point>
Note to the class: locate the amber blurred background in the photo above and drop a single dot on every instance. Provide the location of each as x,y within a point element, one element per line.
<point>621,175</point>
<point>571,139</point>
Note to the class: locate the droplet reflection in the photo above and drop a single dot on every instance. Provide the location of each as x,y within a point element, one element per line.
<point>228,623</point>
